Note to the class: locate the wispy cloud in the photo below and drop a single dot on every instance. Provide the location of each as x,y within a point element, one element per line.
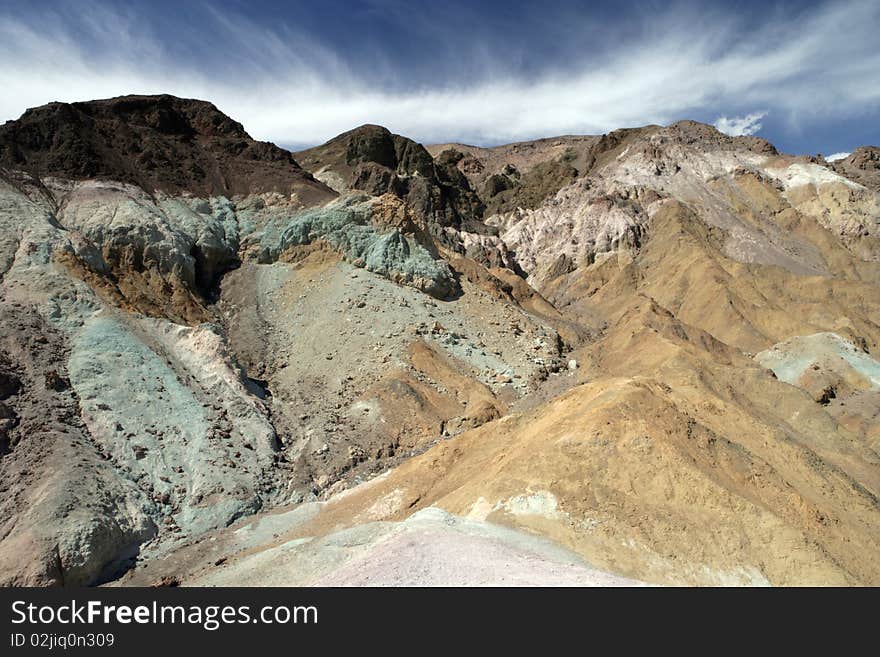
<point>285,86</point>
<point>737,126</point>
<point>836,156</point>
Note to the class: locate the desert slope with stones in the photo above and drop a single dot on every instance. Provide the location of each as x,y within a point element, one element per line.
<point>649,356</point>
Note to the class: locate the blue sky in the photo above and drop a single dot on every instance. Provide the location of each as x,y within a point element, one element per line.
<point>805,75</point>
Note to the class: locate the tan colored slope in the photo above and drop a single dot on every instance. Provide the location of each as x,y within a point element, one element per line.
<point>682,471</point>
<point>679,460</point>
<point>759,207</point>
<point>694,481</point>
<point>749,306</point>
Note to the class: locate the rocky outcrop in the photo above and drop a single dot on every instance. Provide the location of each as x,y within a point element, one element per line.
<point>163,255</point>
<point>511,190</point>
<point>862,165</point>
<point>374,160</point>
<point>582,224</point>
<point>155,142</point>
<point>707,137</point>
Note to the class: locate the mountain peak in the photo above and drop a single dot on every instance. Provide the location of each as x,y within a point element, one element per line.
<point>691,132</point>
<point>862,165</point>
<point>157,142</point>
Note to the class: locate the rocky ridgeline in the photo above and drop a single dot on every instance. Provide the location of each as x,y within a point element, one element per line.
<point>374,160</point>
<point>156,143</point>
<point>445,208</point>
<point>633,174</point>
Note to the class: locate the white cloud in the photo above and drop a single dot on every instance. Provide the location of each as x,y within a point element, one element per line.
<point>836,156</point>
<point>738,126</point>
<point>293,91</point>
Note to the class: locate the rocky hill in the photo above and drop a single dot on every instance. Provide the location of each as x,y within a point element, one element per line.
<point>642,357</point>
<point>161,143</point>
<point>862,165</point>
<point>372,159</point>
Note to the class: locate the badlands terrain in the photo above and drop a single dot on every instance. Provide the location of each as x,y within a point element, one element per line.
<point>645,357</point>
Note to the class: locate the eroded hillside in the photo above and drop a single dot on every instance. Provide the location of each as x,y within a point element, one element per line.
<point>649,355</point>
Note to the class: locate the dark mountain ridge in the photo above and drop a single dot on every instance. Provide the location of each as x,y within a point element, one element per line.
<point>157,142</point>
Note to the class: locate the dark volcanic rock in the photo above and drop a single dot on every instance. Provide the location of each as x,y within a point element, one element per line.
<point>373,159</point>
<point>156,142</point>
<point>509,190</point>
